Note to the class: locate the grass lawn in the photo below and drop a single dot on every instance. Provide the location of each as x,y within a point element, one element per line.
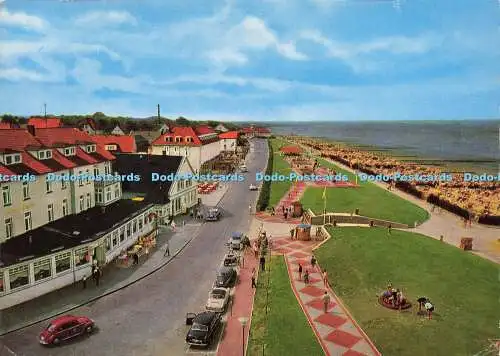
<point>285,329</point>
<point>370,199</point>
<point>280,166</point>
<point>463,287</point>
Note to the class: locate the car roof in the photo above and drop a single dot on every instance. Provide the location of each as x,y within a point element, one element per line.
<point>204,318</point>
<point>63,319</point>
<point>237,234</point>
<point>225,269</point>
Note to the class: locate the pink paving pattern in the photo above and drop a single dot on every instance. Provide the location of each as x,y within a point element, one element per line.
<point>336,330</point>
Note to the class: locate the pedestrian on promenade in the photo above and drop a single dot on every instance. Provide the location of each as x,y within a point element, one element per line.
<point>97,276</point>
<point>262,263</point>
<point>172,224</point>
<point>325,278</point>
<point>84,281</point>
<point>255,250</point>
<point>300,272</point>
<point>250,209</point>
<point>167,250</point>
<point>430,308</point>
<point>286,214</point>
<point>306,277</point>
<point>326,302</point>
<point>254,285</point>
<point>313,262</point>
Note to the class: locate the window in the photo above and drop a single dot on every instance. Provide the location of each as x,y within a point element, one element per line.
<point>42,269</point>
<point>189,139</point>
<point>91,148</point>
<point>178,139</point>
<point>26,190</point>
<point>50,212</point>
<point>48,185</point>
<point>41,155</point>
<point>168,139</point>
<point>6,195</point>
<point>117,191</point>
<point>107,169</point>
<point>108,194</point>
<point>48,154</point>
<point>27,221</point>
<point>140,223</point>
<point>87,175</point>
<point>134,226</point>
<point>63,262</point>
<point>81,256</point>
<point>80,179</point>
<point>89,201</point>
<point>81,203</point>
<point>12,159</point>
<point>19,276</point>
<point>108,243</point>
<point>181,184</point>
<point>99,196</point>
<point>96,171</point>
<point>64,184</point>
<point>65,207</point>
<point>69,151</point>
<point>110,147</point>
<point>9,228</point>
<point>115,238</point>
<point>128,229</point>
<point>122,234</point>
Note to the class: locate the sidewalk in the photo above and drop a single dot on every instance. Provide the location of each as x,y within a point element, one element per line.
<point>113,279</point>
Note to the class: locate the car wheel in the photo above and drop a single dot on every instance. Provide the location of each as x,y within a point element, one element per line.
<point>56,341</point>
<point>89,329</point>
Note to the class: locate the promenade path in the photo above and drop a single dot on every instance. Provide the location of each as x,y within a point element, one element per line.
<point>441,222</point>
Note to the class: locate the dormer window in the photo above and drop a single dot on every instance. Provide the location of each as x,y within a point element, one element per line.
<point>12,159</point>
<point>178,139</point>
<point>111,147</point>
<point>45,154</point>
<point>168,139</point>
<point>91,148</point>
<point>69,151</point>
<point>189,139</point>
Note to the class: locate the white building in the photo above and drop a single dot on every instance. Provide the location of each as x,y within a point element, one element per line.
<point>221,128</point>
<point>117,131</point>
<point>229,141</point>
<point>198,145</point>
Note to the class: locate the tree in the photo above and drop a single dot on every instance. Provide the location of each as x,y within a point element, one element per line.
<point>182,121</point>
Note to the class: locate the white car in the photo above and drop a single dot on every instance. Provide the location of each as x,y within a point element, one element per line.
<point>243,168</point>
<point>253,187</point>
<point>217,300</point>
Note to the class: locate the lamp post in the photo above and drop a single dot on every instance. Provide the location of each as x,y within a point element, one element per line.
<point>243,320</point>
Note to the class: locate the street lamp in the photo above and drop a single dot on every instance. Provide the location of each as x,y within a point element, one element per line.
<point>243,320</point>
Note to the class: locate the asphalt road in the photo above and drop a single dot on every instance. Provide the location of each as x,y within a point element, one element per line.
<point>148,318</point>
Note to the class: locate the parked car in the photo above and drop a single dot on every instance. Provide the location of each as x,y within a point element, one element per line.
<point>204,328</point>
<point>65,328</point>
<point>213,214</point>
<point>217,300</point>
<point>231,259</point>
<point>226,277</point>
<point>243,168</point>
<point>235,241</point>
<point>253,187</point>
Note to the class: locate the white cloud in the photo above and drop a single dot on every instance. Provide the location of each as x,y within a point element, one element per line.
<point>16,74</point>
<point>21,19</point>
<point>227,56</point>
<point>106,18</point>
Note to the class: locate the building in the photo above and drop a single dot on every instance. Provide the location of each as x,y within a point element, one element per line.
<point>117,131</point>
<point>44,122</point>
<point>5,125</point>
<point>171,197</point>
<point>116,144</point>
<point>89,126</point>
<point>198,145</point>
<point>254,131</point>
<point>229,140</point>
<point>221,128</point>
<point>53,229</point>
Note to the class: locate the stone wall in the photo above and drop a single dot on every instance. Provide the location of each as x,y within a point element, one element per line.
<point>310,218</point>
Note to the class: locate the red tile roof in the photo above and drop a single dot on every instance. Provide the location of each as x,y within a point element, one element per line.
<point>262,130</point>
<point>18,140</point>
<point>41,122</point>
<point>179,131</point>
<point>60,158</point>
<point>204,130</point>
<point>34,164</point>
<point>229,135</point>
<point>5,125</point>
<point>126,144</point>
<point>291,150</point>
<point>52,137</point>
<point>5,171</point>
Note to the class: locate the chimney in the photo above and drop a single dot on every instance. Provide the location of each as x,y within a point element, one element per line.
<point>31,129</point>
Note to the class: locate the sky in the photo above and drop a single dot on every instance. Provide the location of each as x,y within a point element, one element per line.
<point>259,60</point>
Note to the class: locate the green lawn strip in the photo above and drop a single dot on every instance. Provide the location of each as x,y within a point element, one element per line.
<point>280,166</point>
<point>463,287</point>
<point>370,199</point>
<point>287,331</point>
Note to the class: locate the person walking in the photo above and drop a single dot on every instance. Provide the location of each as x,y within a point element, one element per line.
<point>300,272</point>
<point>306,277</point>
<point>84,281</point>
<point>254,285</point>
<point>326,302</point>
<point>325,278</point>
<point>313,262</point>
<point>167,250</point>
<point>97,276</point>
<point>250,209</point>
<point>429,307</point>
<point>262,263</point>
<point>172,224</point>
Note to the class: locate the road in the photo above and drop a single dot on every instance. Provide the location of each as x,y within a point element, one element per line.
<point>148,318</point>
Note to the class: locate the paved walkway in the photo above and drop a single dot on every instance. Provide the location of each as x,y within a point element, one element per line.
<point>336,330</point>
<point>242,305</point>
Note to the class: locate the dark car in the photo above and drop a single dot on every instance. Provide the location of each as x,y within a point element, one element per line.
<point>231,259</point>
<point>65,328</point>
<point>213,214</point>
<point>204,328</point>
<point>226,277</point>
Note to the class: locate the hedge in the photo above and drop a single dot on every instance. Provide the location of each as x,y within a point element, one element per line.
<point>265,191</point>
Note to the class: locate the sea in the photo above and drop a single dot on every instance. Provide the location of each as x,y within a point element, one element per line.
<point>472,145</point>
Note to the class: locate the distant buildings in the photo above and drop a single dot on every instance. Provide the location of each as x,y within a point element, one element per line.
<point>116,143</point>
<point>254,131</point>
